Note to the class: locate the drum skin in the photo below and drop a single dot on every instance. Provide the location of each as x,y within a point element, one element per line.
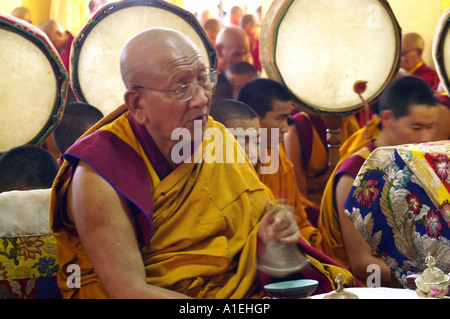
<point>95,71</point>
<point>320,49</point>
<point>33,84</point>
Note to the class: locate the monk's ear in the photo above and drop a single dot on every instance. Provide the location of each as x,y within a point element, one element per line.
<point>387,118</point>
<point>133,100</point>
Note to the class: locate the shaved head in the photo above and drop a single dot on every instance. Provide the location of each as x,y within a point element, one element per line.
<point>54,31</point>
<point>413,41</point>
<point>412,49</point>
<point>49,26</point>
<point>232,46</point>
<point>154,65</point>
<point>22,13</point>
<point>143,55</point>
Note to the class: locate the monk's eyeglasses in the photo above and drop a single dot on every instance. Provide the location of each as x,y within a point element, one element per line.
<point>185,92</point>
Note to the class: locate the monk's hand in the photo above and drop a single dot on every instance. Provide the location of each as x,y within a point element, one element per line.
<point>279,226</point>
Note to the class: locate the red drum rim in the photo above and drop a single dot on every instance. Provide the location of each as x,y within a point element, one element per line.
<point>41,41</point>
<point>111,8</point>
<point>269,37</point>
<point>439,54</point>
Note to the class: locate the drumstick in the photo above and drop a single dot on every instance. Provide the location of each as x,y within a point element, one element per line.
<point>359,87</point>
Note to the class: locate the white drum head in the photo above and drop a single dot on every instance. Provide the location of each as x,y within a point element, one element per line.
<point>33,84</point>
<point>319,49</point>
<point>95,70</point>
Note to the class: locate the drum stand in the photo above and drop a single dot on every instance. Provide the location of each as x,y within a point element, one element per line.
<point>333,124</point>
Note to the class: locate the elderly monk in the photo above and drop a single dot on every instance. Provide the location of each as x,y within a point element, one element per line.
<point>141,223</point>
<point>408,113</point>
<point>412,62</point>
<point>232,46</point>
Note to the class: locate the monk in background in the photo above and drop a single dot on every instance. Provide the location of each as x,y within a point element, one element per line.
<point>232,46</point>
<point>272,102</point>
<point>62,40</point>
<point>412,49</point>
<point>22,13</point>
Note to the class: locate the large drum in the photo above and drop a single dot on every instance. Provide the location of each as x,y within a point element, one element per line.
<point>319,49</point>
<point>96,49</point>
<point>441,50</point>
<point>33,84</point>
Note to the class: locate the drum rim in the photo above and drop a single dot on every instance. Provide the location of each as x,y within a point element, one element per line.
<point>281,10</point>
<point>41,41</point>
<point>439,56</point>
<point>110,8</point>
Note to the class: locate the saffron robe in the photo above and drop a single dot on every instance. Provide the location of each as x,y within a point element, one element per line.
<point>332,242</point>
<point>360,138</point>
<point>312,132</point>
<point>284,186</point>
<point>197,238</point>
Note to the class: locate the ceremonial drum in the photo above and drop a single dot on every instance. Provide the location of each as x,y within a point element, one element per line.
<point>319,49</point>
<point>400,203</point>
<point>441,50</point>
<point>95,70</point>
<point>33,84</point>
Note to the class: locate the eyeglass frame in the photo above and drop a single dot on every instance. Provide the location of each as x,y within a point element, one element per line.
<point>213,77</point>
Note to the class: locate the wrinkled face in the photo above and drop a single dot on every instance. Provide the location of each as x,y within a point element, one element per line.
<point>276,119</point>
<point>419,126</point>
<point>246,132</point>
<point>163,111</point>
<point>410,56</point>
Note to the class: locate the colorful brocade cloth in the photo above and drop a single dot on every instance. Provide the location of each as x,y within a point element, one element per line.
<point>400,203</point>
<point>28,263</point>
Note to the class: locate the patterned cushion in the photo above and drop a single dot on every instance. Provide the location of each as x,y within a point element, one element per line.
<point>400,203</point>
<point>28,264</point>
<point>28,268</point>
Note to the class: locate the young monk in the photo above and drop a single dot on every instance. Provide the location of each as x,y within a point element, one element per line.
<point>407,113</point>
<point>272,102</point>
<point>244,123</point>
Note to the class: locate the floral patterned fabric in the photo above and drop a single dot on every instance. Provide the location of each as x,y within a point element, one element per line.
<point>400,203</point>
<point>28,268</point>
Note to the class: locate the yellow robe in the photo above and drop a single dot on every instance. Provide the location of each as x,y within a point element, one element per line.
<point>283,185</point>
<point>332,242</point>
<point>204,225</point>
<point>317,171</point>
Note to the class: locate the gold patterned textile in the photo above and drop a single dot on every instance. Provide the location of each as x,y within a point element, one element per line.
<point>400,203</point>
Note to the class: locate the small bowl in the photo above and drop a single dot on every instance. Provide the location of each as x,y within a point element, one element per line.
<point>293,289</point>
<point>432,289</point>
